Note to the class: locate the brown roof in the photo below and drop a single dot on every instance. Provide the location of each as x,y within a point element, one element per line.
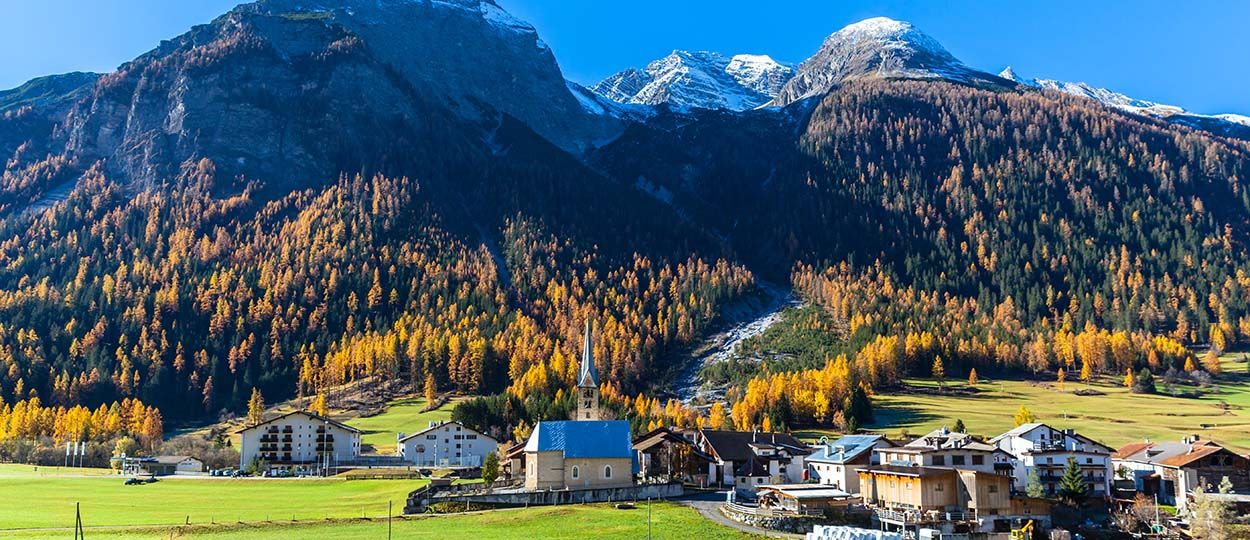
<point>736,445</point>
<point>1169,454</point>
<point>1130,449</point>
<point>1198,452</point>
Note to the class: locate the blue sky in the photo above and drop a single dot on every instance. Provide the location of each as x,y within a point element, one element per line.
<point>1196,56</point>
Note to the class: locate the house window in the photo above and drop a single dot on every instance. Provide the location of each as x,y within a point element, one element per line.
<point>577,472</point>
<point>939,460</point>
<point>957,460</point>
<point>978,460</point>
<point>993,488</point>
<point>607,471</point>
<point>939,487</point>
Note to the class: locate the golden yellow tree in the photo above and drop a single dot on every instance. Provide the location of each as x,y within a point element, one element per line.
<point>319,405</point>
<point>431,390</point>
<point>1023,416</point>
<point>716,416</point>
<point>255,408</point>
<point>972,377</point>
<point>1060,378</point>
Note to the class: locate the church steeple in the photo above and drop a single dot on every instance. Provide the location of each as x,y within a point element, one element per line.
<point>587,381</point>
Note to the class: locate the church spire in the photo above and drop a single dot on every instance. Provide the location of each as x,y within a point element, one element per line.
<point>588,376</point>
<point>587,382</point>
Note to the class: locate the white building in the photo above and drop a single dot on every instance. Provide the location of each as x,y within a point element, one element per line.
<point>446,444</point>
<point>945,448</point>
<point>1044,451</point>
<point>299,440</point>
<point>837,463</point>
<point>747,460</point>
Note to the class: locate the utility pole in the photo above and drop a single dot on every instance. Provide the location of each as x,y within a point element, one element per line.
<point>648,518</point>
<point>79,534</point>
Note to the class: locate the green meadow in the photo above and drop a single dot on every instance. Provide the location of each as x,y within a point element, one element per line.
<point>255,510</point>
<point>405,415</point>
<point>37,499</point>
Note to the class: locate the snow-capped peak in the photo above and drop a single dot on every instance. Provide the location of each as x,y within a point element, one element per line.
<point>1225,124</point>
<point>879,47</point>
<point>699,79</point>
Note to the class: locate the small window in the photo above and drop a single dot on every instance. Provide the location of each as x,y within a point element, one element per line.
<point>993,488</point>
<point>939,487</point>
<point>978,460</point>
<point>957,460</point>
<point>607,471</point>
<point>577,472</point>
<point>939,460</point>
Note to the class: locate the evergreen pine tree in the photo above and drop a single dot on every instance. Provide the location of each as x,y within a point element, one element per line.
<point>1072,487</point>
<point>1034,486</point>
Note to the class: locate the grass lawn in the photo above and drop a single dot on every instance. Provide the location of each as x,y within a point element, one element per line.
<point>1114,419</point>
<point>34,500</point>
<point>401,416</point>
<point>668,520</point>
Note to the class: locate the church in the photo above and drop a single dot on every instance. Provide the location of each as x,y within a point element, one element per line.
<point>586,452</point>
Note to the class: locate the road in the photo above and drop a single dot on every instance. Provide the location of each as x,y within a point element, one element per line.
<point>708,504</point>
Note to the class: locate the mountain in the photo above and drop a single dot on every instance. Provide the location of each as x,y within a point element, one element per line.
<point>300,194</point>
<point>1231,125</point>
<point>44,93</point>
<point>699,80</point>
<point>877,48</point>
<point>291,93</point>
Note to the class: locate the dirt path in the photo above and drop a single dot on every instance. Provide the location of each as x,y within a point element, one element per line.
<point>709,507</point>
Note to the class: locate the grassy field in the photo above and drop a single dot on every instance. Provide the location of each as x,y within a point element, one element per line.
<point>1116,418</point>
<point>668,521</point>
<point>402,415</point>
<point>47,499</point>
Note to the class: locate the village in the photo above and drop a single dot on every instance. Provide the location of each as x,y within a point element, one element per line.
<point>947,483</point>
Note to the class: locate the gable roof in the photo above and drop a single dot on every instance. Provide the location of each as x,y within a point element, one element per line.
<point>736,445</point>
<point>588,375</point>
<point>313,416</point>
<point>945,439</point>
<point>665,434</point>
<point>583,438</point>
<point>1023,429</point>
<point>444,424</point>
<point>1169,454</point>
<point>852,447</point>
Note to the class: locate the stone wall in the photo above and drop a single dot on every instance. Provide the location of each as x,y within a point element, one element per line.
<point>769,520</point>
<point>419,500</point>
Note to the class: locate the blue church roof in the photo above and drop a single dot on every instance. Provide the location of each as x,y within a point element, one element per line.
<point>583,438</point>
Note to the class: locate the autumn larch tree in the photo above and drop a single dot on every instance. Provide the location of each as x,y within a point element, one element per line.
<point>939,372</point>
<point>1023,416</point>
<point>255,408</point>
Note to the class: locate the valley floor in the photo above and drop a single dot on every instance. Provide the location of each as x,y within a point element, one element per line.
<point>280,509</point>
